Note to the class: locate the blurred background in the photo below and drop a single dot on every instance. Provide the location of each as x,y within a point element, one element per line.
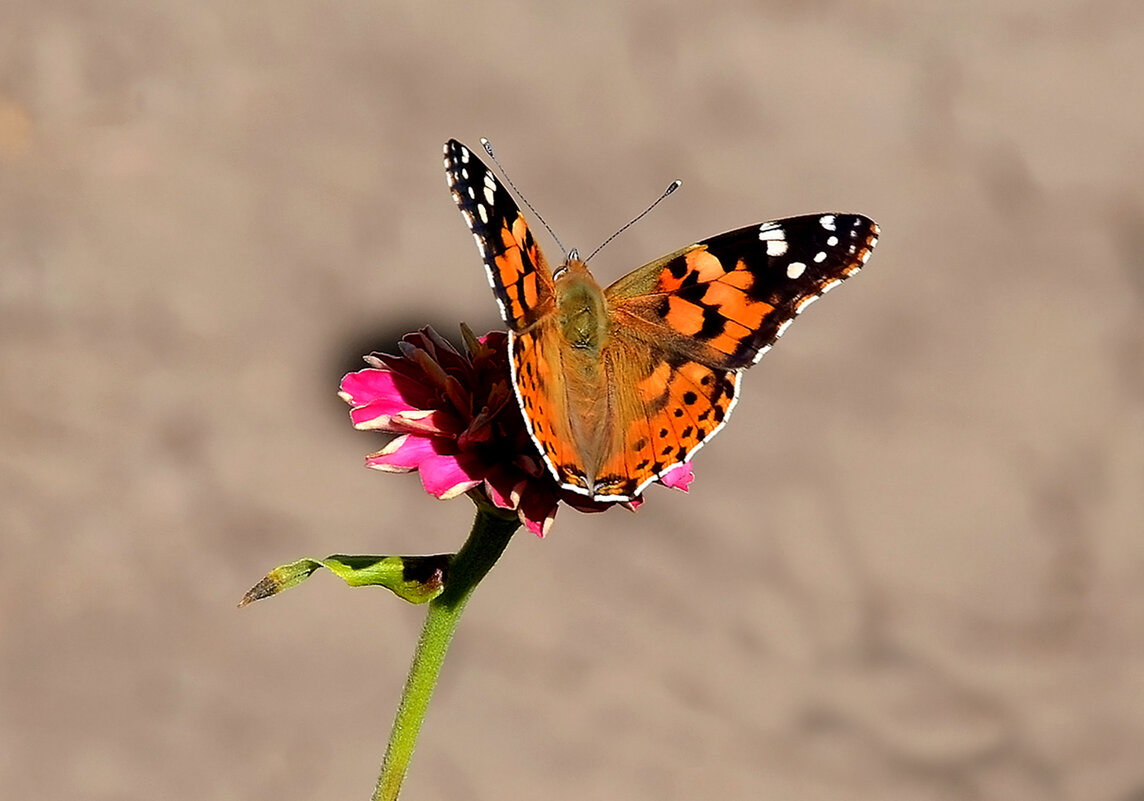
<point>914,569</point>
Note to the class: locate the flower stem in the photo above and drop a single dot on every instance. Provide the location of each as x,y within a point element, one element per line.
<point>487,541</point>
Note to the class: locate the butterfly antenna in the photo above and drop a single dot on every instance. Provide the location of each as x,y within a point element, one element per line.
<point>488,146</point>
<point>671,188</point>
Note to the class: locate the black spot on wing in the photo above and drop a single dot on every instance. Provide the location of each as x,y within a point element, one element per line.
<point>714,323</point>
<point>692,292</point>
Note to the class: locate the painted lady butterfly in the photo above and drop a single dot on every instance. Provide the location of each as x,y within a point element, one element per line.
<point>618,386</point>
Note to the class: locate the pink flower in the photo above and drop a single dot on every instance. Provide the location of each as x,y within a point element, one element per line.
<point>458,425</point>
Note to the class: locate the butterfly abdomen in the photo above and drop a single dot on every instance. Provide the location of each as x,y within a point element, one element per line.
<point>582,323</point>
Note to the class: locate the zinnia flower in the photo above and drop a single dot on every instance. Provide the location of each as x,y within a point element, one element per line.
<point>459,426</point>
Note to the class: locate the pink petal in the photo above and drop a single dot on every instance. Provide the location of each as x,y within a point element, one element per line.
<point>404,453</point>
<point>529,465</point>
<point>502,486</point>
<point>495,340</point>
<point>397,364</point>
<point>447,476</point>
<point>426,422</point>
<point>372,417</point>
<point>367,385</point>
<point>679,477</point>
<point>385,392</point>
<point>537,510</point>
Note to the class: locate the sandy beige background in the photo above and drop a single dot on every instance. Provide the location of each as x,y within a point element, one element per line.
<point>913,570</point>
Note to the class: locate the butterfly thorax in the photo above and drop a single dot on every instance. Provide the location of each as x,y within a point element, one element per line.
<point>580,305</point>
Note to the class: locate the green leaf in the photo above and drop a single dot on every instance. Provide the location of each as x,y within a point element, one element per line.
<point>417,579</point>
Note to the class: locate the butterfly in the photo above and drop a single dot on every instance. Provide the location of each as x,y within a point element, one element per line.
<point>619,386</point>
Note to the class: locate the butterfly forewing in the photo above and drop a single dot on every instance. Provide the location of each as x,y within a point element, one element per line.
<point>538,373</point>
<point>519,275</point>
<point>730,297</point>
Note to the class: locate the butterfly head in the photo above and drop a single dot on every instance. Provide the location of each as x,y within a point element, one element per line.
<point>572,257</point>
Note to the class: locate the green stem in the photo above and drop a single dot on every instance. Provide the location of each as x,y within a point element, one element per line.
<point>487,541</point>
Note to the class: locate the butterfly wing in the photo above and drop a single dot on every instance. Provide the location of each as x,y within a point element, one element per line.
<point>524,289</point>
<point>664,405</point>
<point>702,314</point>
<point>727,299</point>
<point>518,273</point>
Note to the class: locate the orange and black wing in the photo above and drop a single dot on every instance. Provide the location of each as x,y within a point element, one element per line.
<point>520,277</point>
<point>727,299</point>
<point>663,416</point>
<point>697,317</point>
<point>524,289</point>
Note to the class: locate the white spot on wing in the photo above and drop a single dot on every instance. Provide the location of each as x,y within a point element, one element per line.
<point>820,257</point>
<point>827,222</point>
<point>771,230</point>
<point>489,195</point>
<point>832,241</point>
<point>795,270</point>
<point>776,247</point>
<point>481,210</point>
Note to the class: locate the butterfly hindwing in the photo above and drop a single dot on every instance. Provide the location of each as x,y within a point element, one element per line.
<point>520,277</point>
<point>538,373</point>
<point>663,416</point>
<point>728,298</point>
